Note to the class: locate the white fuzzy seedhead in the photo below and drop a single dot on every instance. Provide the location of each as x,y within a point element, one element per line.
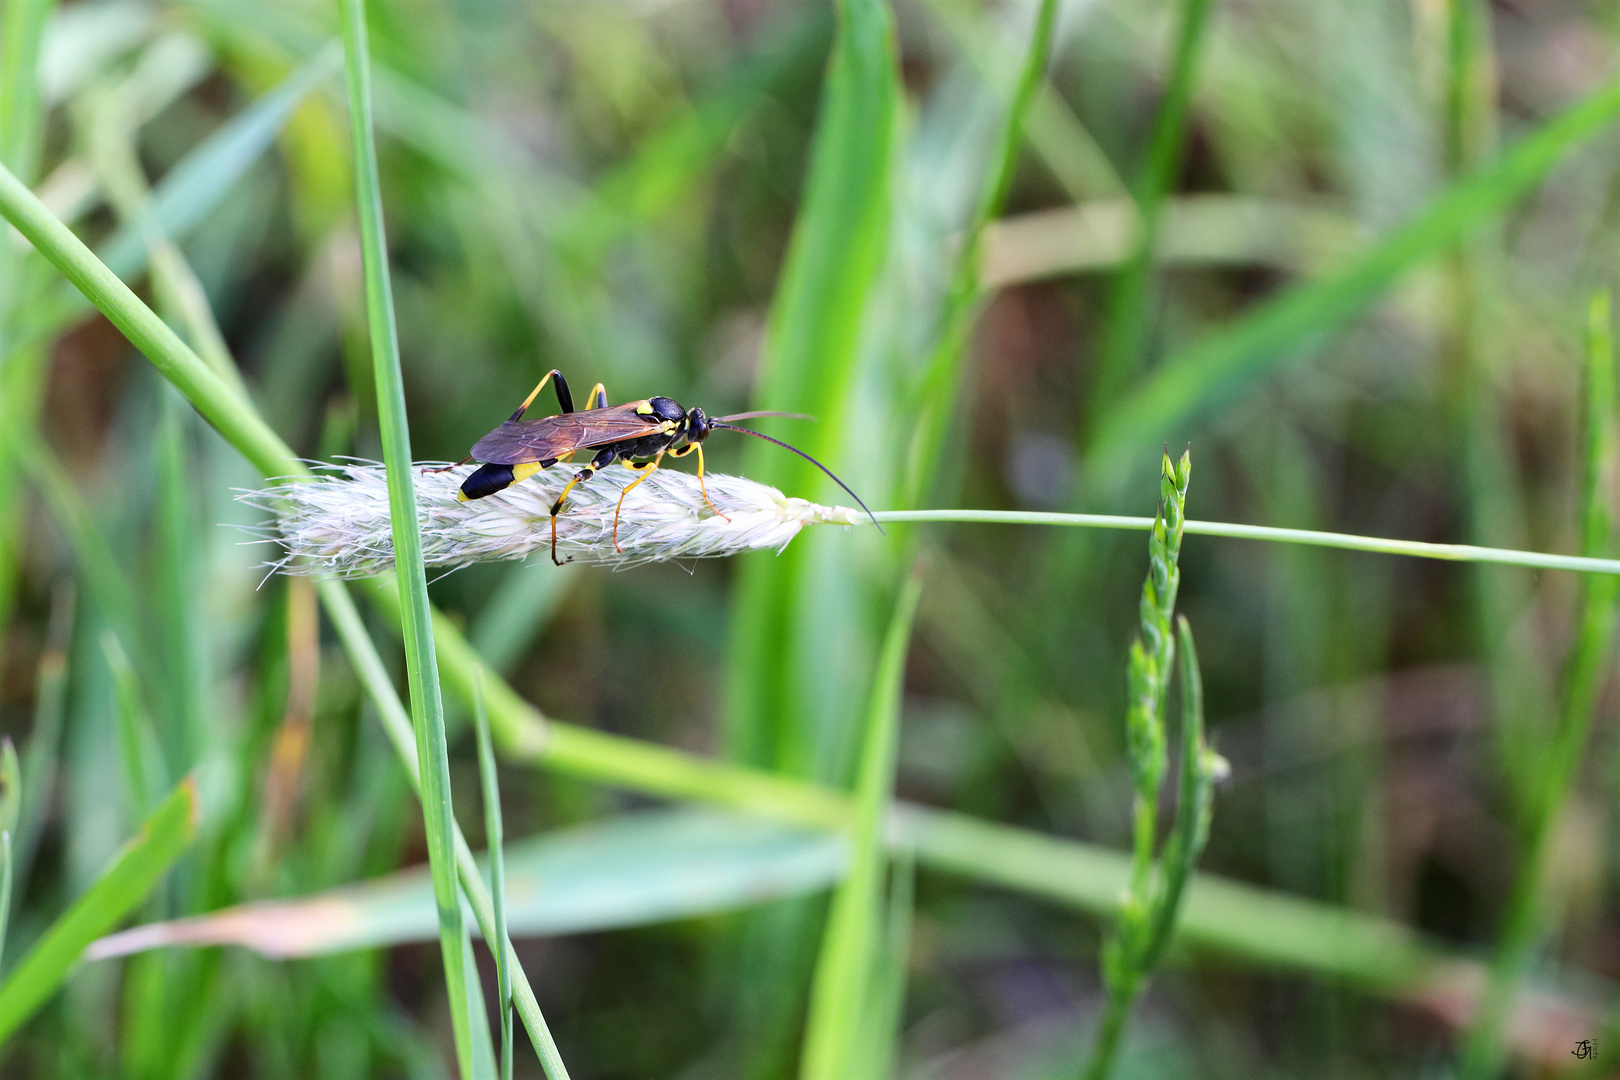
<point>338,523</point>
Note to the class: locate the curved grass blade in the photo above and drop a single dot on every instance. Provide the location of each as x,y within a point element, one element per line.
<point>841,998</point>
<point>123,886</point>
<point>421,663</point>
<point>637,869</point>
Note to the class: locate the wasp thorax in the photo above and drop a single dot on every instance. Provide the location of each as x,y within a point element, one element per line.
<point>667,408</point>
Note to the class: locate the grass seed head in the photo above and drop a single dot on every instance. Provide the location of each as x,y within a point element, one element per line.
<point>338,523</point>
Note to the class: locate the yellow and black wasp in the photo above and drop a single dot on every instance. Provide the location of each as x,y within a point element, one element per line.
<point>637,433</point>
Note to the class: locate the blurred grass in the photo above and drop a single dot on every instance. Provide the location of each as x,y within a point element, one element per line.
<point>843,1001</point>
<point>613,190</point>
<point>123,885</point>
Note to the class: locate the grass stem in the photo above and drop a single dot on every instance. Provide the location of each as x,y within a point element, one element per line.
<point>421,661</point>
<point>1469,553</point>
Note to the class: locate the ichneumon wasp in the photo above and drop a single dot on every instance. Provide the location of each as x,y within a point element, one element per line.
<point>638,433</point>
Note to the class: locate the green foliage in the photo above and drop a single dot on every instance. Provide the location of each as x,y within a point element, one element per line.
<point>843,995</point>
<point>421,663</point>
<point>121,887</point>
<point>1368,318</point>
<point>1147,915</point>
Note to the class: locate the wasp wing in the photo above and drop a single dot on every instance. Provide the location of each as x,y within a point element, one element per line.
<point>518,441</point>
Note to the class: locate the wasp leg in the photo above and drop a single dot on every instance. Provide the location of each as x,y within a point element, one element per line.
<point>602,460</point>
<point>564,398</point>
<point>447,468</point>
<point>597,399</point>
<point>687,449</point>
<point>645,468</point>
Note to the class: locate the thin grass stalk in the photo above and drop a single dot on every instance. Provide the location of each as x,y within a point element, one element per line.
<point>965,296</point>
<point>1128,304</point>
<point>11,794</point>
<point>421,664</point>
<point>134,871</point>
<point>231,415</point>
<point>494,840</point>
<point>1528,915</point>
<point>1463,553</point>
<point>137,742</point>
<point>841,994</point>
<point>396,722</point>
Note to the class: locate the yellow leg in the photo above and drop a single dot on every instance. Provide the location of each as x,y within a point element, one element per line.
<point>597,399</point>
<point>556,508</point>
<point>687,449</point>
<point>645,469</point>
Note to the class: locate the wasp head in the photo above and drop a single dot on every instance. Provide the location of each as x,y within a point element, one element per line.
<point>697,425</point>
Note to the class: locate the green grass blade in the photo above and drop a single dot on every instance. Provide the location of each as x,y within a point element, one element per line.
<point>842,993</point>
<point>497,869</point>
<point>11,794</point>
<point>1128,316</point>
<point>880,1028</point>
<point>839,245</point>
<point>137,742</point>
<point>637,869</point>
<point>396,724</point>
<point>1524,923</point>
<point>20,113</point>
<point>1215,370</point>
<point>964,297</point>
<point>208,393</point>
<point>123,886</point>
<point>421,663</point>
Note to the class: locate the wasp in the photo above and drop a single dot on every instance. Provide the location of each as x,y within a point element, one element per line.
<point>638,433</point>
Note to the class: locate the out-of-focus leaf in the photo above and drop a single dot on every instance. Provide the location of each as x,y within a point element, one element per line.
<point>83,38</point>
<point>1221,366</point>
<point>134,870</point>
<point>195,186</point>
<point>638,869</point>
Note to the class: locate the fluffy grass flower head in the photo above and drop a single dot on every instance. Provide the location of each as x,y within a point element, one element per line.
<point>338,523</point>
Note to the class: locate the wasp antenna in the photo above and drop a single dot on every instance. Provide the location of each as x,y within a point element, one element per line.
<point>811,460</point>
<point>752,415</point>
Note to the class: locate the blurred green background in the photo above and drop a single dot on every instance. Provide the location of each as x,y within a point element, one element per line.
<point>1377,228</point>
